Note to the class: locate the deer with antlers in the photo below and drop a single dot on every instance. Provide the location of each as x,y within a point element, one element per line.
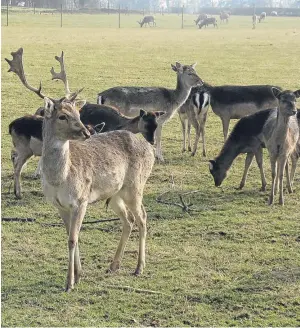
<point>78,169</point>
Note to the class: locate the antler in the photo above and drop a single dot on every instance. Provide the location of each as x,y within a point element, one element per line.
<point>16,66</point>
<point>62,74</point>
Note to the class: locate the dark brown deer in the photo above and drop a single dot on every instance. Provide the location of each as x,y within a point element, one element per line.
<point>147,20</point>
<point>208,21</point>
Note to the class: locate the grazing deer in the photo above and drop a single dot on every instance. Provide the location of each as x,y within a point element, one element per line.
<point>200,18</point>
<point>78,170</point>
<point>194,112</point>
<point>281,139</point>
<point>208,21</point>
<point>147,20</point>
<point>262,17</point>
<point>224,17</point>
<point>234,101</point>
<point>246,137</point>
<point>129,100</point>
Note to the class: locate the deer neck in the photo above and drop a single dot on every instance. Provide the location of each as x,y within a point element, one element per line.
<point>182,92</point>
<point>228,154</point>
<point>282,124</point>
<point>55,156</point>
<point>131,124</point>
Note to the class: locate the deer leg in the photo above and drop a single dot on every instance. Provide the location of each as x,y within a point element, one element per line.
<point>196,125</point>
<point>293,169</point>
<point>280,171</point>
<point>259,161</point>
<point>75,222</point>
<point>118,206</point>
<point>38,170</point>
<point>140,215</point>
<point>273,170</point>
<point>18,160</point>
<point>288,181</point>
<point>202,132</point>
<point>183,126</point>
<point>225,123</point>
<point>248,162</point>
<point>189,135</point>
<point>158,154</point>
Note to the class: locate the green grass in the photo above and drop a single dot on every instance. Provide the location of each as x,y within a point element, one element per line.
<point>234,262</point>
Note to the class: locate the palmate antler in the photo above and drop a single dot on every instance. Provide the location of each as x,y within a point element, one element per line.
<point>16,66</point>
<point>62,75</point>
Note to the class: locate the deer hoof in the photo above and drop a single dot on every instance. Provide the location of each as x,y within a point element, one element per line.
<point>115,266</point>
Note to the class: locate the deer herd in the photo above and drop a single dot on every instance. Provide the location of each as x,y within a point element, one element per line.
<point>90,152</point>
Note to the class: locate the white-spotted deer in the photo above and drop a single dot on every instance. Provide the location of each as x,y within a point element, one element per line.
<point>78,169</point>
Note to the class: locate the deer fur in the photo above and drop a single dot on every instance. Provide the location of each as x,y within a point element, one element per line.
<point>145,123</point>
<point>147,20</point>
<point>207,21</point>
<point>112,166</point>
<point>262,16</point>
<point>200,18</point>
<point>129,100</point>
<point>281,139</point>
<point>234,101</point>
<point>194,112</point>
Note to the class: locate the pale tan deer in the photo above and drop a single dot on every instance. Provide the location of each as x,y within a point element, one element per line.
<point>112,166</point>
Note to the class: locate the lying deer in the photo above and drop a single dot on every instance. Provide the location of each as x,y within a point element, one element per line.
<point>208,21</point>
<point>235,101</point>
<point>147,20</point>
<point>78,170</point>
<point>129,100</point>
<point>281,139</point>
<point>194,112</point>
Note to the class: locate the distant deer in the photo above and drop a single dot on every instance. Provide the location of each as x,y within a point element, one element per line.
<point>112,166</point>
<point>208,21</point>
<point>234,101</point>
<point>224,17</point>
<point>254,21</point>
<point>262,17</point>
<point>147,20</point>
<point>281,139</point>
<point>200,18</point>
<point>129,100</point>
<point>274,13</point>
<point>194,112</point>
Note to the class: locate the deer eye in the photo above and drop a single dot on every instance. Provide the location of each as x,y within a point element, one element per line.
<point>62,117</point>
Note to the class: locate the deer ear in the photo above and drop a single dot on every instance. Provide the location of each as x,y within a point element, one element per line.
<point>79,104</point>
<point>142,112</point>
<point>194,65</point>
<point>174,68</point>
<point>297,93</point>
<point>211,164</point>
<point>158,114</point>
<point>49,107</point>
<point>276,92</point>
<point>178,65</point>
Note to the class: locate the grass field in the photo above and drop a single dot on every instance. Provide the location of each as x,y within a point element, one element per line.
<point>233,262</point>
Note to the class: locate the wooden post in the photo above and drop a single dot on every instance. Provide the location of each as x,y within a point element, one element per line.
<point>119,16</point>
<point>182,17</point>
<point>108,7</point>
<point>34,8</point>
<point>61,8</point>
<point>143,11</point>
<point>7,12</point>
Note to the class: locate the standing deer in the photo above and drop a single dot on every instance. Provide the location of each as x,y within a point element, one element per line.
<point>234,101</point>
<point>254,21</point>
<point>129,100</point>
<point>194,112</point>
<point>224,17</point>
<point>147,20</point>
<point>281,139</point>
<point>208,21</point>
<point>200,18</point>
<point>262,17</point>
<point>78,170</point>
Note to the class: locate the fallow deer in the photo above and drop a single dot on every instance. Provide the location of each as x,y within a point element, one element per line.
<point>147,20</point>
<point>129,100</point>
<point>208,21</point>
<point>78,170</point>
